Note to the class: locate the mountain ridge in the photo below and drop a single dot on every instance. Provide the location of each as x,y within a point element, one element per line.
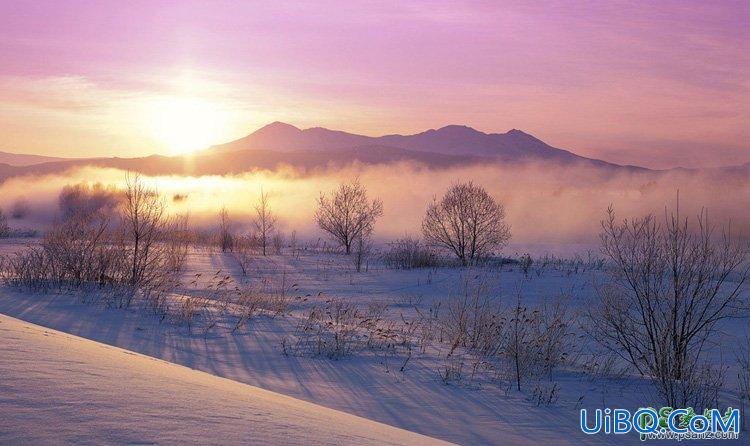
<point>23,159</point>
<point>455,139</point>
<point>281,144</point>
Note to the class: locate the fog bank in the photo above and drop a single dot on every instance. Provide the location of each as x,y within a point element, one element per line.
<point>545,204</point>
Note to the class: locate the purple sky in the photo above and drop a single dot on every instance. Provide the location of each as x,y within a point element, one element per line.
<point>651,83</point>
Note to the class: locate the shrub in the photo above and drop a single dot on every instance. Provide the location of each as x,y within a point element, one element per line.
<point>85,199</point>
<point>4,228</point>
<point>20,209</point>
<point>409,253</point>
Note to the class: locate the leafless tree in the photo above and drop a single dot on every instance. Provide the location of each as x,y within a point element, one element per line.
<point>347,214</point>
<point>143,223</point>
<point>75,252</point>
<point>467,221</point>
<point>671,284</point>
<point>265,221</point>
<point>225,231</point>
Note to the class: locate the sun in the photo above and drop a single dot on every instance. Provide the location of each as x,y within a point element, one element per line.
<point>185,124</point>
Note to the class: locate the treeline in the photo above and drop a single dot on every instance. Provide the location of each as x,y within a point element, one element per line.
<point>121,241</point>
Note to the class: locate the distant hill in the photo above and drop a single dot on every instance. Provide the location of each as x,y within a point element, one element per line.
<point>279,144</point>
<point>457,140</point>
<point>19,159</point>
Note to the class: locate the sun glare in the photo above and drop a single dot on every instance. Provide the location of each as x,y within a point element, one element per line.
<point>185,124</point>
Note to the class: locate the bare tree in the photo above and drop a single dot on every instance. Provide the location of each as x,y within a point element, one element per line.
<point>347,214</point>
<point>467,221</point>
<point>143,223</point>
<point>671,284</point>
<point>225,231</point>
<point>265,220</point>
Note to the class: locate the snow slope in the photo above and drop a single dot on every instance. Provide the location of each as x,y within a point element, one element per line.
<point>56,388</point>
<point>366,384</point>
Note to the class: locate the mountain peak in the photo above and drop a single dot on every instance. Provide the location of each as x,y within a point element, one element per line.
<point>278,126</point>
<point>458,129</point>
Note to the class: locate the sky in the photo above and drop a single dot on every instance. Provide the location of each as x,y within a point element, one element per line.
<point>658,84</point>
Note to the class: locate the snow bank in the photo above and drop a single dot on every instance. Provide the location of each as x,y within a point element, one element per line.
<point>58,388</point>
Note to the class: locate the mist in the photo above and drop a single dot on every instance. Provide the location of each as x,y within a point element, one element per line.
<point>545,204</point>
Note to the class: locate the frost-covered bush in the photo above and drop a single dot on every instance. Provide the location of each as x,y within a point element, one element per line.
<point>73,253</point>
<point>410,253</point>
<point>88,199</point>
<point>4,228</point>
<point>20,209</point>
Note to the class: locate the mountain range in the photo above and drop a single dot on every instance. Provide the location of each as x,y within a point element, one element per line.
<point>453,140</point>
<point>20,159</point>
<point>280,144</point>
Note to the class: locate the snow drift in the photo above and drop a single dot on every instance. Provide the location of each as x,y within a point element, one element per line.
<point>57,388</point>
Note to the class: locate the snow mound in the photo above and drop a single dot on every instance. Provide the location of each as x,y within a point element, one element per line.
<point>57,388</point>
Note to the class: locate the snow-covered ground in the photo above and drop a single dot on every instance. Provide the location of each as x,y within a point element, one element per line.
<point>365,384</point>
<point>56,388</point>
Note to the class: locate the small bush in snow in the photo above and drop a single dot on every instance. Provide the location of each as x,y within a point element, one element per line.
<point>4,228</point>
<point>410,253</point>
<point>20,209</point>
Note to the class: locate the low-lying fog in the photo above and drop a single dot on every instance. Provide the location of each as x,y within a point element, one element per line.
<point>545,204</point>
